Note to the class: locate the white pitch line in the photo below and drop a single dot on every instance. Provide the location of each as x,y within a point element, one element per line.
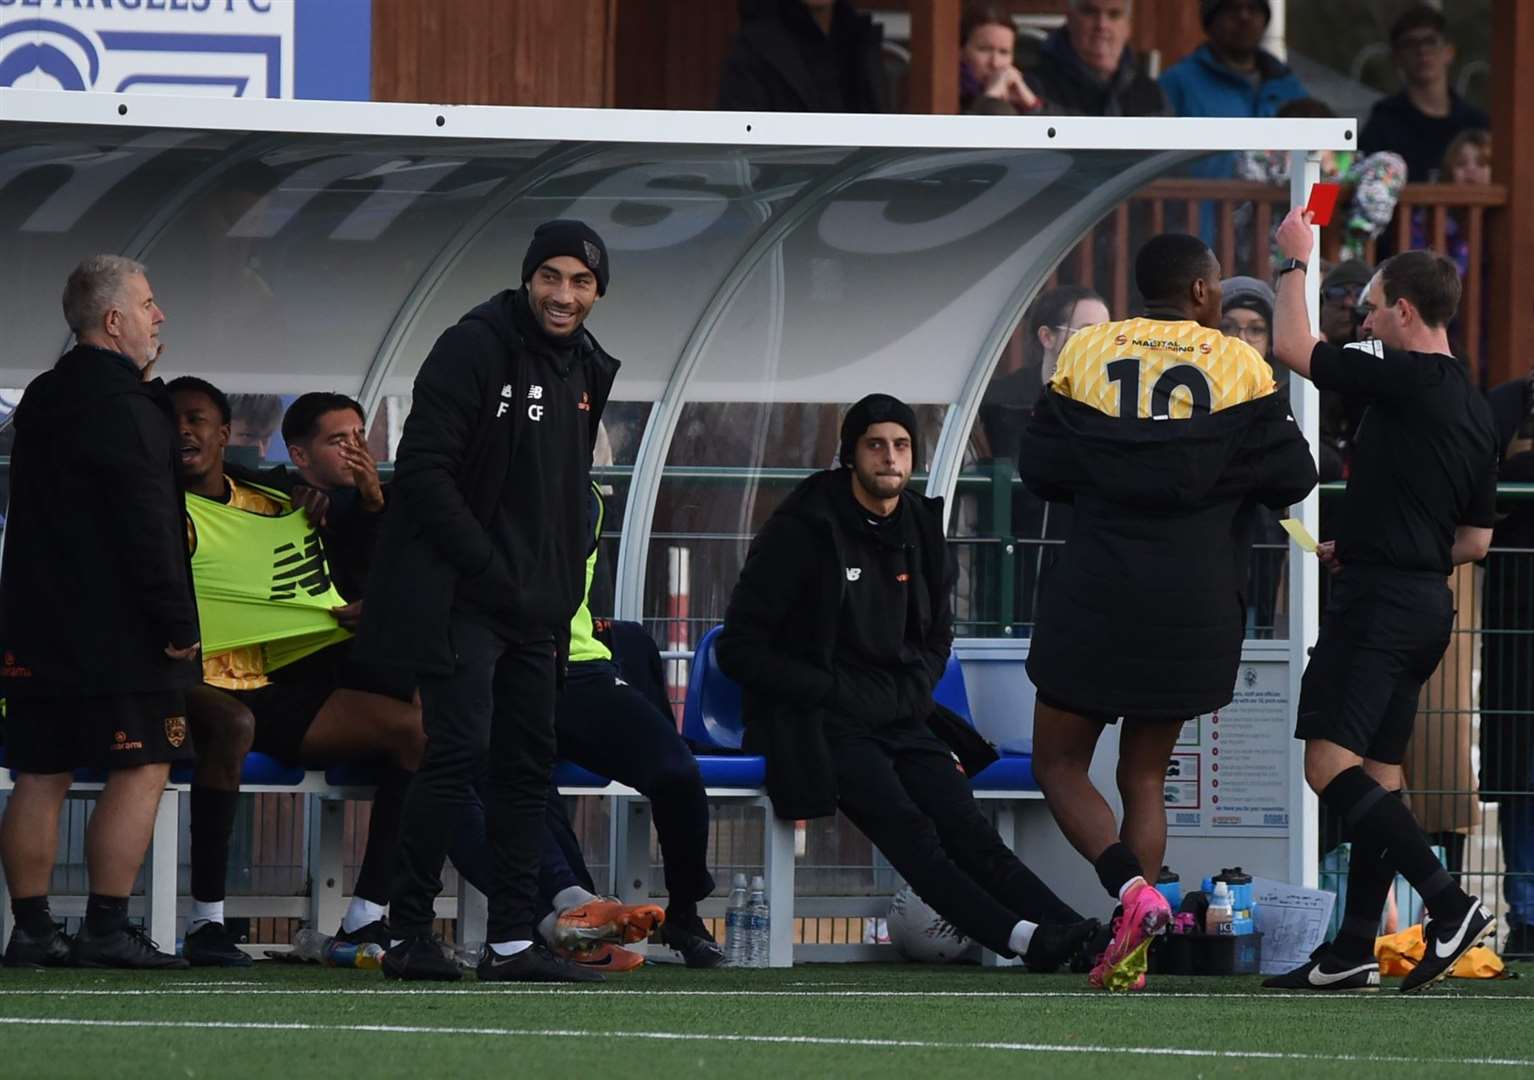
<point>760,1040</point>
<point>196,989</point>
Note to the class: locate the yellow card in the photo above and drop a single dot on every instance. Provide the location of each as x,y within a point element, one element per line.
<point>1295,528</point>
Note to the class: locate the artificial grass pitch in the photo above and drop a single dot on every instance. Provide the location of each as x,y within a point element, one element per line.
<point>870,1020</point>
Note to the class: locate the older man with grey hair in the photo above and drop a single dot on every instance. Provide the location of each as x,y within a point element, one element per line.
<point>98,621</point>
<point>1086,68</point>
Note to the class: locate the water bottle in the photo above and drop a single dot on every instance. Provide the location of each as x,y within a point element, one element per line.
<point>735,924</point>
<point>1169,885</point>
<point>1218,920</point>
<point>311,945</point>
<point>467,954</point>
<point>759,919</point>
<point>345,954</point>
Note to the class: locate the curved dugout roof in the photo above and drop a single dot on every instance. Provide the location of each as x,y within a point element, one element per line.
<point>301,245</point>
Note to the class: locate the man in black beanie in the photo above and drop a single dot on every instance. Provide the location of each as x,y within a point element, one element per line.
<point>479,570</point>
<point>838,631</point>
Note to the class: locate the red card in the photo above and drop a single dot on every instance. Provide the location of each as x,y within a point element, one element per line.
<point>1323,201</point>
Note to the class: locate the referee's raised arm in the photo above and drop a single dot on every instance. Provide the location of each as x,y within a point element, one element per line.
<point>1293,340</point>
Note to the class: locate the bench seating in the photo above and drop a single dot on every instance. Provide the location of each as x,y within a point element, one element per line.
<point>712,723</point>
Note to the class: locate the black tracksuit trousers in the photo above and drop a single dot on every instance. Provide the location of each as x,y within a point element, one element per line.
<point>900,785</point>
<point>494,714</point>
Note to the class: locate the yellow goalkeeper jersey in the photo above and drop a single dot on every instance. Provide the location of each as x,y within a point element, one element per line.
<point>1159,370</point>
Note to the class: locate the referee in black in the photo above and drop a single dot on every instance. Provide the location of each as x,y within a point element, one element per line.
<point>1419,502</point>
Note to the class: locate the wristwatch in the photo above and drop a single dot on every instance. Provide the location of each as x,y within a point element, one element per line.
<point>1292,264</point>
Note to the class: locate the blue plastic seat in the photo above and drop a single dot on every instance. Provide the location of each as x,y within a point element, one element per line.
<point>731,770</point>
<point>568,774</point>
<point>1013,771</point>
<point>259,769</point>
<point>711,716</point>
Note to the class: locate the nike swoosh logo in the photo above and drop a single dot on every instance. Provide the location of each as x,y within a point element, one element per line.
<point>1317,977</point>
<point>1446,949</point>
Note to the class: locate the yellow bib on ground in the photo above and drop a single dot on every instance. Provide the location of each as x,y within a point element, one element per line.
<point>1399,953</point>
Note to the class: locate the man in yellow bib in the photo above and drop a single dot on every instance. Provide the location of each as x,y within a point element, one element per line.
<point>274,656</point>
<point>1164,434</point>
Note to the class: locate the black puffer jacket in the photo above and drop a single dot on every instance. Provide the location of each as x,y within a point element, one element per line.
<point>495,423</point>
<point>97,579</point>
<point>780,634</point>
<point>1143,613</point>
<point>781,61</point>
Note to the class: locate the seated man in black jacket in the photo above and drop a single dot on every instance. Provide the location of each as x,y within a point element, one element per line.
<point>1164,434</point>
<point>804,56</point>
<point>838,631</point>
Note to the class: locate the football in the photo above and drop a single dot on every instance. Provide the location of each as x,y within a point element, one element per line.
<point>923,935</point>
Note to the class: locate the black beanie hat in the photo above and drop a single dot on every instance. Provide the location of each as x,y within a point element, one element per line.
<point>566,236</point>
<point>1208,9</point>
<point>876,409</point>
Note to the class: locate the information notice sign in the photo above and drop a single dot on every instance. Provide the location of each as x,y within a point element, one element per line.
<point>1229,773</point>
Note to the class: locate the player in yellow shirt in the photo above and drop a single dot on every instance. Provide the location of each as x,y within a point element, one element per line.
<point>1164,435</point>
<point>301,714</point>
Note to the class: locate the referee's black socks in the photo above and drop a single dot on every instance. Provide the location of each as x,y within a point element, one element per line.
<point>1370,880</point>
<point>1376,822</point>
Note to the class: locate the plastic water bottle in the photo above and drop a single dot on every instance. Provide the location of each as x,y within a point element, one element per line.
<point>735,929</point>
<point>345,954</point>
<point>1218,920</point>
<point>759,919</point>
<point>311,945</point>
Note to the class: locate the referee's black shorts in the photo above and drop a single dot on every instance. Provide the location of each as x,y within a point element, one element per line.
<point>1383,635</point>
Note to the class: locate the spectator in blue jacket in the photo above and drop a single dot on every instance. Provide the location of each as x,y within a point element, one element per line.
<point>1230,74</point>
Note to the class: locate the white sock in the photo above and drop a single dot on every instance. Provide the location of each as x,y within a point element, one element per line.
<point>509,948</point>
<point>571,897</point>
<point>1022,936</point>
<point>360,912</point>
<point>205,911</point>
<point>546,927</point>
<point>1130,884</point>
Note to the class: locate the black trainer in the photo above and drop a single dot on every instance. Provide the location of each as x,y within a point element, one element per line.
<point>692,941</point>
<point>420,960</point>
<point>1520,943</point>
<point>26,951</point>
<point>128,947</point>
<point>1055,944</point>
<point>1094,945</point>
<point>1325,973</point>
<point>1445,942</point>
<point>212,945</point>
<point>373,933</point>
<point>533,964</point>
